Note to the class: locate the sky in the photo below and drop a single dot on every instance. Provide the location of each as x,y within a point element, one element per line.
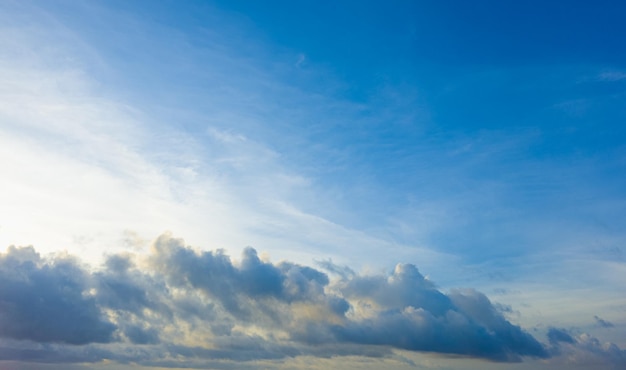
<point>312,184</point>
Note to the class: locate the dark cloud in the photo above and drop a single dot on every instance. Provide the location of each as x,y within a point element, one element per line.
<point>48,301</point>
<point>252,291</point>
<point>121,287</point>
<point>469,326</point>
<point>139,335</point>
<point>585,350</point>
<point>556,336</point>
<point>603,323</point>
<point>148,309</point>
<point>408,311</point>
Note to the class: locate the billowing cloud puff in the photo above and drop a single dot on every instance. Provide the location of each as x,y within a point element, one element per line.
<point>585,350</point>
<point>412,314</point>
<point>48,301</point>
<point>182,304</point>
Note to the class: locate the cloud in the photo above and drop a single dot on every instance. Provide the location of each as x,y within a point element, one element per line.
<point>556,336</point>
<point>47,301</point>
<point>178,306</point>
<point>603,323</point>
<point>179,303</point>
<point>343,271</point>
<point>410,313</point>
<point>583,349</point>
<point>252,291</point>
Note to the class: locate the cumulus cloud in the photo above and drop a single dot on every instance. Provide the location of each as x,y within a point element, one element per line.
<point>407,311</point>
<point>178,303</point>
<point>585,350</point>
<point>47,301</point>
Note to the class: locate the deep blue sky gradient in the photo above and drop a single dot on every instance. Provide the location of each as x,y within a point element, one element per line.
<point>514,107</point>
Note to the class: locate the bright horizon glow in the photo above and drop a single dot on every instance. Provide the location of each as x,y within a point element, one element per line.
<point>482,144</point>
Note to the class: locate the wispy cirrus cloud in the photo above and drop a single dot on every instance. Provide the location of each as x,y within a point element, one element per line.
<point>68,136</point>
<point>611,76</point>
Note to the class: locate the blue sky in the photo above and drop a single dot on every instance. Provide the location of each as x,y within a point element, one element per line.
<point>480,142</point>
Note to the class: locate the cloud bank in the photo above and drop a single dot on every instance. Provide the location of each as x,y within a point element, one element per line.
<point>179,306</point>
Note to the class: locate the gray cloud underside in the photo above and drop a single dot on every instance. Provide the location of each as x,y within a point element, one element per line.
<point>179,307</point>
<point>584,349</point>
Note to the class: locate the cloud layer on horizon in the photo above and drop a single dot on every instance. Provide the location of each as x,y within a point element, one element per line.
<point>179,305</point>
